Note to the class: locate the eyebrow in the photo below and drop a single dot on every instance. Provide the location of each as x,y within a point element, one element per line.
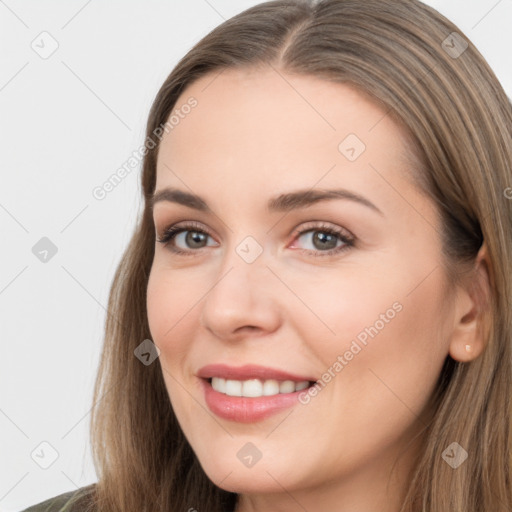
<point>282,203</point>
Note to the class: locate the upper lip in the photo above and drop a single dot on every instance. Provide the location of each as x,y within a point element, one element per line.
<point>247,372</point>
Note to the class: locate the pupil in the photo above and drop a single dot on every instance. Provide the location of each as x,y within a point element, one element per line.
<point>193,237</point>
<point>322,238</point>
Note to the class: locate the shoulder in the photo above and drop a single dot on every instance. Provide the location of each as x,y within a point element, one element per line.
<point>71,501</point>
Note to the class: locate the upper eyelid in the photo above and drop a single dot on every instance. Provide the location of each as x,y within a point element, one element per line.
<point>320,224</point>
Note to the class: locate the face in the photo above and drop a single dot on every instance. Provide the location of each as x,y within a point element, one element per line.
<point>348,291</point>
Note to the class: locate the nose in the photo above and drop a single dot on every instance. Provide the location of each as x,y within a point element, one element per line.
<point>242,300</point>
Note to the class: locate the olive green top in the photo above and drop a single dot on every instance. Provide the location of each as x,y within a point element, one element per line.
<point>65,502</point>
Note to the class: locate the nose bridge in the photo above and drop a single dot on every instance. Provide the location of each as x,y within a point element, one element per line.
<point>245,259</point>
<point>241,294</point>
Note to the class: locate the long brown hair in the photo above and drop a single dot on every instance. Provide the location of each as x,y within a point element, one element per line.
<point>404,55</point>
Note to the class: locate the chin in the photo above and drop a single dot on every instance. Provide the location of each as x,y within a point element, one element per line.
<point>224,466</point>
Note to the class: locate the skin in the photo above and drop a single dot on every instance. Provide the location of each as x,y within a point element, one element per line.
<point>291,310</point>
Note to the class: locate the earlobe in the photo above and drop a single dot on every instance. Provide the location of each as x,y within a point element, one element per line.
<point>472,314</point>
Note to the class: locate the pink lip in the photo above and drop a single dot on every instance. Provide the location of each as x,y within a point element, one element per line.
<point>247,372</point>
<point>244,409</point>
<point>247,409</point>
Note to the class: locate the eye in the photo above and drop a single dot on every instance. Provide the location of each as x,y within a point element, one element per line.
<point>323,237</point>
<point>194,236</point>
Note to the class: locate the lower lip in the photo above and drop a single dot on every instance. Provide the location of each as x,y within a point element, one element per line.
<point>245,409</point>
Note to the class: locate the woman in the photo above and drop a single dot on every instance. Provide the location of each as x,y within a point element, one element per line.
<point>246,373</point>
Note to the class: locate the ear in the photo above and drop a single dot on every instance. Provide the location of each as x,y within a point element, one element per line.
<point>472,311</point>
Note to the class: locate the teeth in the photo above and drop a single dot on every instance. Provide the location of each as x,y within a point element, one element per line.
<point>255,387</point>
<point>270,387</point>
<point>287,386</point>
<point>233,388</point>
<point>252,387</point>
<point>301,385</point>
<point>219,384</point>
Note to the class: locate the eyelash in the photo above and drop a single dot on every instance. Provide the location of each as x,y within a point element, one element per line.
<point>171,232</point>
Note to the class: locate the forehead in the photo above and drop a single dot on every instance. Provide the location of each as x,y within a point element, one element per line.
<point>260,126</point>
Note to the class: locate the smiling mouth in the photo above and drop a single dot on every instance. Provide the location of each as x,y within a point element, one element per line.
<point>254,388</point>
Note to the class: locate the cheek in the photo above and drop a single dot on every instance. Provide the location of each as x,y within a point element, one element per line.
<point>388,344</point>
<point>340,308</point>
<point>172,317</point>
<point>399,365</point>
<point>160,307</point>
<point>170,303</point>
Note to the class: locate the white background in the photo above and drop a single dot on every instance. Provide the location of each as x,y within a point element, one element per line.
<point>67,123</point>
